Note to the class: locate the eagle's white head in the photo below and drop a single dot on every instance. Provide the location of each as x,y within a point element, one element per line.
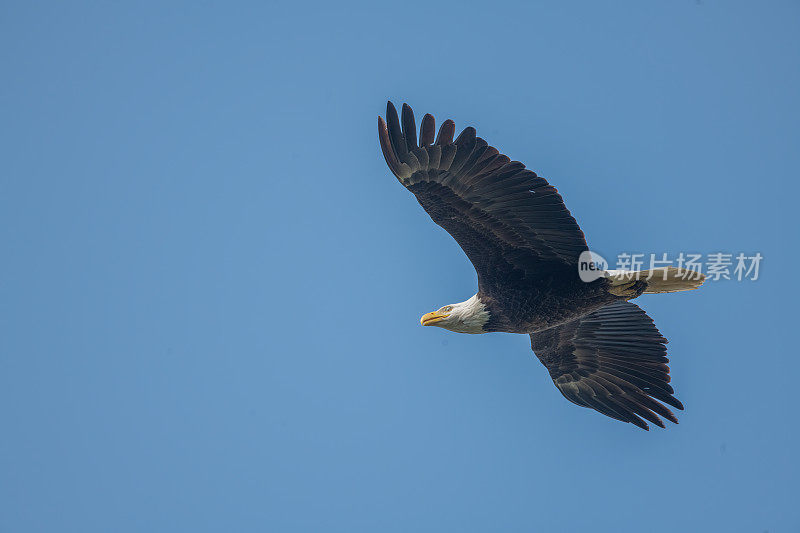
<point>464,317</point>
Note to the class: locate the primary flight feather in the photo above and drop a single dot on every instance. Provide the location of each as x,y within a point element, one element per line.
<point>601,350</point>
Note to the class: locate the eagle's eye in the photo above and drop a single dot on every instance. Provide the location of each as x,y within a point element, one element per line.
<point>446,309</point>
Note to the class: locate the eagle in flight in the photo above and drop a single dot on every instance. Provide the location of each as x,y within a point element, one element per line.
<point>602,351</point>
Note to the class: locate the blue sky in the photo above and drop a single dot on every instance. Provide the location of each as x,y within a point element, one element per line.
<point>210,282</point>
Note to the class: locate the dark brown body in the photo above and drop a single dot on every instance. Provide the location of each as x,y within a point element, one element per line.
<point>552,300</point>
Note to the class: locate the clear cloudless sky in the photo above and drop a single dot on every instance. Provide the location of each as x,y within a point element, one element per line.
<point>211,284</point>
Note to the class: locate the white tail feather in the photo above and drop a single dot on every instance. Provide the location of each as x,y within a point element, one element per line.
<point>665,279</point>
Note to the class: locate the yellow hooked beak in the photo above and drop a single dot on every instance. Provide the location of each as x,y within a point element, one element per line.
<point>429,319</point>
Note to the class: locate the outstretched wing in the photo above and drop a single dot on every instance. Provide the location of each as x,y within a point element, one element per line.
<point>614,361</point>
<point>503,216</point>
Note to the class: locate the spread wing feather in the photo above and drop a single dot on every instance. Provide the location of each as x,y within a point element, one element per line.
<point>510,222</point>
<point>614,361</point>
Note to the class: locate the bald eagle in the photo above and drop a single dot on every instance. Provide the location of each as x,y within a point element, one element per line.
<point>601,350</point>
